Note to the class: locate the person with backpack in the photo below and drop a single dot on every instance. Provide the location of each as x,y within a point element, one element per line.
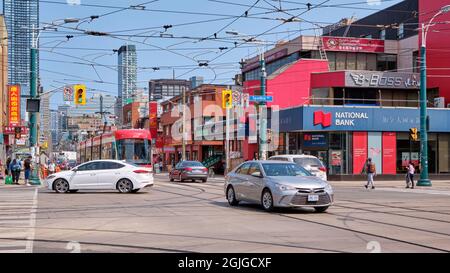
<point>27,169</point>
<point>15,169</point>
<point>410,173</point>
<point>371,173</point>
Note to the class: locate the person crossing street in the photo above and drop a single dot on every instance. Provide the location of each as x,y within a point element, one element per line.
<point>370,170</point>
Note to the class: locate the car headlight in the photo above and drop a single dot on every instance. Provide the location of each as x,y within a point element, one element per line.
<point>329,189</point>
<point>283,187</point>
<point>51,177</point>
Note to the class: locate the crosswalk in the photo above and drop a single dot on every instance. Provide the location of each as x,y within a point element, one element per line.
<point>18,205</point>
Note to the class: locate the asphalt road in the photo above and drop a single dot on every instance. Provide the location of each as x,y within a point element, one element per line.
<point>195,217</point>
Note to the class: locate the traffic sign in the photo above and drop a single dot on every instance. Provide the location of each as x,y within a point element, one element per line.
<point>261,98</point>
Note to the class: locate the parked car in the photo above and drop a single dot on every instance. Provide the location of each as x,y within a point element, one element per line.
<point>309,162</point>
<point>101,175</point>
<point>189,170</point>
<point>274,183</point>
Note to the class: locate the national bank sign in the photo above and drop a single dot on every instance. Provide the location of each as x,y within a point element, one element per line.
<point>344,118</point>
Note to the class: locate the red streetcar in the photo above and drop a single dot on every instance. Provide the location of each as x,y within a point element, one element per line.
<point>133,145</point>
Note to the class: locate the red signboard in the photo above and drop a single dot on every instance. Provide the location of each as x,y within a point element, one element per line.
<point>159,142</point>
<point>153,119</point>
<point>14,105</point>
<point>389,153</point>
<point>352,44</point>
<point>359,151</point>
<point>8,130</point>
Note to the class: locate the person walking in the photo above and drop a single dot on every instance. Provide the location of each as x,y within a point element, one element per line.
<point>27,169</point>
<point>51,168</point>
<point>371,171</point>
<point>8,162</point>
<point>410,172</point>
<point>15,169</point>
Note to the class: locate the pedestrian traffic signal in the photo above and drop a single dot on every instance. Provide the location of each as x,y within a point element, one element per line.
<point>18,132</point>
<point>413,134</point>
<point>227,99</point>
<point>80,94</point>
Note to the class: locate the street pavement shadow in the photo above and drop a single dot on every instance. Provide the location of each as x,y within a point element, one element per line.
<point>257,208</point>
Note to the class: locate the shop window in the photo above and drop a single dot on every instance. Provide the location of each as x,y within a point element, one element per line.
<point>341,60</point>
<point>416,62</point>
<point>383,34</point>
<point>386,62</point>
<point>351,61</point>
<point>401,31</point>
<point>331,60</point>
<point>444,153</point>
<point>372,62</point>
<point>361,61</point>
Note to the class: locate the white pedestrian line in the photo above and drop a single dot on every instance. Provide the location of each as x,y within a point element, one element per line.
<point>17,219</point>
<point>420,191</point>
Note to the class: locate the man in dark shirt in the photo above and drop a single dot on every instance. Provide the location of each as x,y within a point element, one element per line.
<point>27,169</point>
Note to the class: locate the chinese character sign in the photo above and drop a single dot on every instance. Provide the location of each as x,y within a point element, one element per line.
<point>153,118</point>
<point>14,105</point>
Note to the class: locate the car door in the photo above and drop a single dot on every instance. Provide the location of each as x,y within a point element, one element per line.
<point>85,177</point>
<point>239,179</point>
<point>255,185</point>
<point>109,173</point>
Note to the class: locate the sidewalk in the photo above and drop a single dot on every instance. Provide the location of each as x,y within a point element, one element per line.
<point>400,184</point>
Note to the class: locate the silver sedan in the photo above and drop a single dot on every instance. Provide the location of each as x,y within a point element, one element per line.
<point>277,184</point>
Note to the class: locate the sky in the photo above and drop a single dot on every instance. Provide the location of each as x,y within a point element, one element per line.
<point>172,36</point>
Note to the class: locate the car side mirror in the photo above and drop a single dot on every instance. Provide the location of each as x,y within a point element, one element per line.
<point>257,174</point>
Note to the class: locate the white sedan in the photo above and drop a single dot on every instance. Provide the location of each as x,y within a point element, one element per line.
<point>101,175</point>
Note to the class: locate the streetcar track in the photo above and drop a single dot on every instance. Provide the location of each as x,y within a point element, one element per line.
<point>389,224</point>
<point>185,236</point>
<point>364,232</point>
<point>392,213</point>
<point>396,207</point>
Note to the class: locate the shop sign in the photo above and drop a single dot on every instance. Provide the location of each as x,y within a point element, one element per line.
<point>315,140</point>
<point>14,105</point>
<point>352,44</point>
<point>407,157</point>
<point>368,79</point>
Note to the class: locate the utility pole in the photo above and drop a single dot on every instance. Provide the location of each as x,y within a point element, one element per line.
<point>34,178</point>
<point>263,120</point>
<point>184,126</point>
<point>424,179</point>
<point>102,113</point>
<point>227,137</point>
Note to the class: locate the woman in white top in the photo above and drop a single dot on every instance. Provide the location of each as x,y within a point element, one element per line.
<point>411,169</point>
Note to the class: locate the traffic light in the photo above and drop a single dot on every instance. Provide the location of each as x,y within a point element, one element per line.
<point>413,134</point>
<point>18,132</point>
<point>80,94</point>
<point>227,99</point>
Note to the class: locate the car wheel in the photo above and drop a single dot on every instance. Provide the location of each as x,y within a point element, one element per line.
<point>135,191</point>
<point>171,178</point>
<point>124,186</point>
<point>267,200</point>
<point>203,180</point>
<point>320,209</point>
<point>231,197</point>
<point>193,180</point>
<point>61,186</point>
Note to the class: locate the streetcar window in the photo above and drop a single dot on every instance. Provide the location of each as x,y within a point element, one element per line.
<point>134,150</point>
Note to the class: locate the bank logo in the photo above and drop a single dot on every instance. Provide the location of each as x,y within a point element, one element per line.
<point>323,118</point>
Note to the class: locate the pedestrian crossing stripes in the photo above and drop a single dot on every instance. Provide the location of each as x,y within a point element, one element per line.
<point>18,207</point>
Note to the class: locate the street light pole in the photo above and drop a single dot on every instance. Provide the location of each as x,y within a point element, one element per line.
<point>263,119</point>
<point>183,156</point>
<point>424,179</point>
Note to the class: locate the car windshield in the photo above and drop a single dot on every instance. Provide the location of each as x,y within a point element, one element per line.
<point>308,162</point>
<point>192,164</point>
<point>273,169</point>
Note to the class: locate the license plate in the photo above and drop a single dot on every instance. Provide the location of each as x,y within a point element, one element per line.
<point>313,198</point>
<point>197,171</point>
